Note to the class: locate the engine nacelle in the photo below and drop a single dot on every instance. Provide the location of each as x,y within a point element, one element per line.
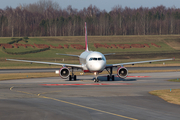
<point>64,72</point>
<point>122,72</point>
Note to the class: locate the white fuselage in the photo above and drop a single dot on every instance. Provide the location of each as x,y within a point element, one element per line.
<point>92,61</point>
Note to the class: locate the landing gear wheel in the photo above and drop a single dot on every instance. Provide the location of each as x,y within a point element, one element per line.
<point>74,77</point>
<point>70,77</point>
<point>112,77</point>
<point>108,78</point>
<point>96,80</point>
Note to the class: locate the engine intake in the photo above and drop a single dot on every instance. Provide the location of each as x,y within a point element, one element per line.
<point>122,72</point>
<point>64,72</point>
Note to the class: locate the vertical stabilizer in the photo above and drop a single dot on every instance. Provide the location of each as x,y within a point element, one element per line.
<point>86,40</point>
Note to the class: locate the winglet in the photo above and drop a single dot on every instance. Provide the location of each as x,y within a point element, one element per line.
<point>86,40</point>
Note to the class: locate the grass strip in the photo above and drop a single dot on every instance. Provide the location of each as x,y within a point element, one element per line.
<point>171,96</point>
<point>175,80</point>
<point>13,76</point>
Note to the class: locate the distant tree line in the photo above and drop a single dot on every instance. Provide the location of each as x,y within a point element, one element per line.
<point>46,18</point>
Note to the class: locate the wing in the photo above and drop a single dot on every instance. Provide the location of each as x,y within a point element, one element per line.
<point>67,55</point>
<point>132,63</point>
<point>49,63</point>
<point>109,54</point>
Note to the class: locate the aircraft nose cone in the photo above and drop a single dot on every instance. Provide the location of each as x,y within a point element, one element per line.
<point>96,66</point>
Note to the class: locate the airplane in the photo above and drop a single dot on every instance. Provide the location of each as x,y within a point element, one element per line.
<point>91,62</point>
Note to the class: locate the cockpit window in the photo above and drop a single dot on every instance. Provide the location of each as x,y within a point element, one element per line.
<point>99,58</point>
<point>90,59</point>
<point>96,59</point>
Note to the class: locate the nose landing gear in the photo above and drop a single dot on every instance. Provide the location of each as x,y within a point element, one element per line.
<point>96,79</point>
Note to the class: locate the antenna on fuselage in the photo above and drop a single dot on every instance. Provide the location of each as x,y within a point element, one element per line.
<point>86,40</point>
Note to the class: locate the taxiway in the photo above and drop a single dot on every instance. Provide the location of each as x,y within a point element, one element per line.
<point>48,98</point>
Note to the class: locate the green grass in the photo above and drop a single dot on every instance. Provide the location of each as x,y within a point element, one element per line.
<point>51,53</point>
<point>13,76</point>
<point>175,80</point>
<point>172,96</point>
<point>122,55</point>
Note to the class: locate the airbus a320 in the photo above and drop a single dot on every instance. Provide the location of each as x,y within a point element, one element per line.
<point>93,62</point>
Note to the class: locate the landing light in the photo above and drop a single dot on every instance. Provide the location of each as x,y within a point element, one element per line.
<point>95,73</point>
<point>57,71</point>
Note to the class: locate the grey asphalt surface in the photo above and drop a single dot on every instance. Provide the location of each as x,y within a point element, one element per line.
<point>3,71</point>
<point>29,99</point>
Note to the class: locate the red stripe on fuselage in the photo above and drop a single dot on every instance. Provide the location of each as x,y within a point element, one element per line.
<point>86,71</point>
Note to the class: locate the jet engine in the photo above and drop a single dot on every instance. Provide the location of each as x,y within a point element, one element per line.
<point>122,72</point>
<point>64,72</point>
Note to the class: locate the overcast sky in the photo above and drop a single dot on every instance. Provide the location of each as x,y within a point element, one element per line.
<point>101,4</point>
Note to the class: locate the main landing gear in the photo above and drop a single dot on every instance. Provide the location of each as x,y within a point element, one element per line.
<point>110,76</point>
<point>72,76</point>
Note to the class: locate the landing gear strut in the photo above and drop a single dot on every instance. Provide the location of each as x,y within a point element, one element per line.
<point>72,76</point>
<point>110,76</point>
<point>96,79</point>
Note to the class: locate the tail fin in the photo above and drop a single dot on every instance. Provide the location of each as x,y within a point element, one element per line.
<point>86,40</point>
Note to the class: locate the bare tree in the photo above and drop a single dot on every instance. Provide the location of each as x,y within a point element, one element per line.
<point>45,18</point>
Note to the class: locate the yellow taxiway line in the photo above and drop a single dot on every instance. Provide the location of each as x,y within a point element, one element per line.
<point>82,106</point>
